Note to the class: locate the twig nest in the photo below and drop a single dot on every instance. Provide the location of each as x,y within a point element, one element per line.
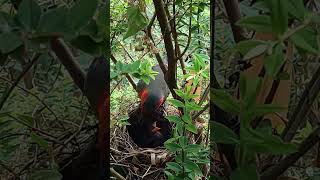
<point>135,162</point>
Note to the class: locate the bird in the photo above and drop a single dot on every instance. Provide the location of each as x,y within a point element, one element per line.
<point>148,127</point>
<point>92,161</point>
<point>154,94</point>
<point>148,133</point>
<point>97,92</point>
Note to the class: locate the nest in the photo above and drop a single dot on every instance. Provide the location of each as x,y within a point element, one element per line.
<point>133,162</point>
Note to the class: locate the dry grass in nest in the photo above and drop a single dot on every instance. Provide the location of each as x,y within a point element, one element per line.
<point>139,163</point>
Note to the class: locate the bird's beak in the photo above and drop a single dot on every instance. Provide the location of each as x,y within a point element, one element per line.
<point>156,129</point>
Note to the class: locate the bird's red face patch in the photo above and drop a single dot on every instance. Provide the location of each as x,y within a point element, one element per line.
<point>149,104</point>
<point>160,102</point>
<point>143,96</point>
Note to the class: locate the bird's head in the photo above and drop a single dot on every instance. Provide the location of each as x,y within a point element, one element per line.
<point>150,102</point>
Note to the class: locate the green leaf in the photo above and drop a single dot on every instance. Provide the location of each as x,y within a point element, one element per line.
<point>25,120</point>
<point>222,134</point>
<point>193,148</point>
<point>191,166</point>
<point>194,106</point>
<point>315,19</point>
<point>183,141</point>
<point>176,103</point>
<point>179,92</point>
<point>305,39</point>
<point>49,174</point>
<point>174,166</point>
<point>172,146</point>
<point>261,110</point>
<point>4,114</point>
<point>169,175</point>
<point>81,13</point>
<point>86,44</point>
<point>54,21</point>
<point>261,142</point>
<point>4,22</point>
<point>261,23</point>
<point>245,173</point>
<point>296,9</point>
<point>274,62</point>
<point>192,128</point>
<point>244,46</point>
<point>93,31</point>
<point>252,87</point>
<point>256,51</point>
<point>136,21</point>
<point>2,2</point>
<point>174,119</point>
<point>187,118</point>
<point>29,14</point>
<point>265,126</point>
<point>39,140</point>
<point>134,67</point>
<point>9,42</point>
<point>103,19</point>
<point>225,101</point>
<point>279,15</point>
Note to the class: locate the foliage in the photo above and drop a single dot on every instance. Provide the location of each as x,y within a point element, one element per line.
<point>303,35</point>
<point>53,105</point>
<point>189,157</point>
<point>135,57</point>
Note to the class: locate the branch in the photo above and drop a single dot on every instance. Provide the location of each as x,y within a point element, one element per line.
<point>180,55</point>
<point>204,95</point>
<point>35,96</point>
<point>301,111</point>
<point>155,50</point>
<point>148,28</point>
<point>66,57</point>
<point>200,112</point>
<point>116,174</point>
<point>233,11</point>
<point>276,170</point>
<point>175,36</point>
<point>9,169</point>
<point>26,69</point>
<point>171,78</point>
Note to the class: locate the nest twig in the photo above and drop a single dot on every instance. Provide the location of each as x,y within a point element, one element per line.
<point>135,162</point>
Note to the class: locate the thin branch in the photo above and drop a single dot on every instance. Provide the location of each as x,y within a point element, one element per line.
<point>233,11</point>
<point>66,57</point>
<point>204,95</point>
<point>171,76</point>
<point>188,42</point>
<point>35,96</point>
<point>9,169</point>
<point>200,112</point>
<point>114,60</point>
<point>116,174</point>
<point>6,95</point>
<point>155,52</point>
<point>274,171</point>
<point>298,117</point>
<point>118,82</point>
<point>175,36</point>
